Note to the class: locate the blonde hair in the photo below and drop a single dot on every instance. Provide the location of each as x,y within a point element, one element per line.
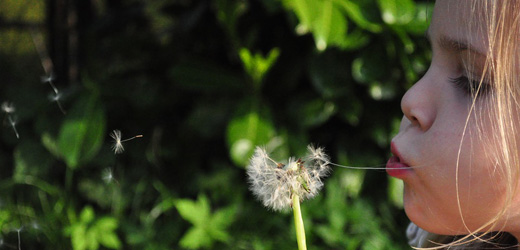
<point>500,20</point>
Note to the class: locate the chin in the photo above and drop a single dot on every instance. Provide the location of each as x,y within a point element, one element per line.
<point>421,215</point>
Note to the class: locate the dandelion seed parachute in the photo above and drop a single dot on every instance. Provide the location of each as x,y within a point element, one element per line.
<point>274,183</point>
<point>8,108</point>
<point>117,146</point>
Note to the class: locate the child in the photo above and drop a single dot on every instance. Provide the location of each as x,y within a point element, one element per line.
<point>458,148</point>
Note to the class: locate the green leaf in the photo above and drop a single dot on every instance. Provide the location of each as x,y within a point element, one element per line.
<point>228,13</point>
<point>219,221</point>
<point>79,242</point>
<point>82,133</point>
<point>195,212</point>
<point>421,19</point>
<point>207,227</point>
<point>323,18</point>
<point>305,10</point>
<point>110,240</point>
<point>330,27</point>
<point>106,236</point>
<point>362,13</point>
<point>355,40</point>
<point>107,224</point>
<point>91,238</point>
<point>397,12</point>
<point>246,131</point>
<point>87,215</point>
<point>195,238</point>
<point>223,217</point>
<point>256,65</point>
<point>50,144</point>
<point>89,232</point>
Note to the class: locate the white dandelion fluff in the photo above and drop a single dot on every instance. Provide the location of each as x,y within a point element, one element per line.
<point>117,145</point>
<point>8,107</point>
<point>275,183</point>
<point>107,175</point>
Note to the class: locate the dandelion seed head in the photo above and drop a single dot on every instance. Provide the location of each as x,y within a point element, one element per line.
<point>274,185</point>
<point>319,161</point>
<point>117,146</point>
<point>8,107</point>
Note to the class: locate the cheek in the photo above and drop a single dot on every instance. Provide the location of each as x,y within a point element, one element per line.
<point>447,195</point>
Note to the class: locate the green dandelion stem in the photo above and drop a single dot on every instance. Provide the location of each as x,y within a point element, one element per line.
<point>298,222</point>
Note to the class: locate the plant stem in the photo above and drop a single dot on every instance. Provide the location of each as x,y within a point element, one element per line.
<point>298,222</point>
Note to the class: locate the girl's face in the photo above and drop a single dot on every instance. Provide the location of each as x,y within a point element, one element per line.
<point>454,184</point>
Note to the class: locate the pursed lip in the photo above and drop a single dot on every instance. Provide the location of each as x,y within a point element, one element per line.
<point>396,165</point>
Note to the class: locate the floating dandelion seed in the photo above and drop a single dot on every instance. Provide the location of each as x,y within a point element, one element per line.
<point>56,96</point>
<point>19,239</point>
<point>275,183</point>
<point>49,79</point>
<point>9,109</point>
<point>117,146</point>
<point>35,225</point>
<point>107,175</point>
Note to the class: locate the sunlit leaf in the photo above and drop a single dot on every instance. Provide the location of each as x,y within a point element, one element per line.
<point>87,215</point>
<point>195,212</point>
<point>362,13</point>
<point>207,227</point>
<point>195,238</point>
<point>79,242</point>
<point>330,27</point>
<point>323,18</point>
<point>220,220</point>
<point>421,19</point>
<point>110,240</point>
<point>107,224</point>
<point>245,132</point>
<point>257,65</point>
<point>397,11</point>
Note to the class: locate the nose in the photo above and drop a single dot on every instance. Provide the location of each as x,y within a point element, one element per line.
<point>418,103</point>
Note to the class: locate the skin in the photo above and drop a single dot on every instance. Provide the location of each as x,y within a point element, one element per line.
<point>440,195</point>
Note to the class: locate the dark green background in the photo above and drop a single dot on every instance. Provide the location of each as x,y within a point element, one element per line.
<point>203,82</point>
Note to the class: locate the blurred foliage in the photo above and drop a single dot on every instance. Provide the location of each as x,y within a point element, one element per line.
<point>205,82</point>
